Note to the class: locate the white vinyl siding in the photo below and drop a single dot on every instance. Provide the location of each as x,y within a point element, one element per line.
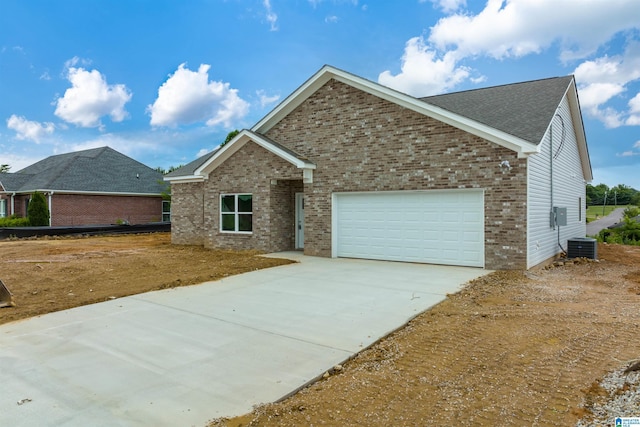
<point>568,191</point>
<point>438,227</point>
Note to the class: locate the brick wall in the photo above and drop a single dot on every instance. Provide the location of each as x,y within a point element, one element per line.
<point>362,143</point>
<point>187,214</point>
<point>75,209</point>
<point>250,170</point>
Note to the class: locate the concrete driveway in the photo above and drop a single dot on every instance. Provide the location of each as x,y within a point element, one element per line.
<point>183,356</point>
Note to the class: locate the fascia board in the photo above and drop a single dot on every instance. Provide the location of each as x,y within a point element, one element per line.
<point>576,115</point>
<point>238,142</point>
<point>183,179</point>
<point>90,193</point>
<point>522,147</point>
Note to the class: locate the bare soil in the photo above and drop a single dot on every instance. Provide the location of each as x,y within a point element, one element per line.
<point>46,275</point>
<point>512,348</point>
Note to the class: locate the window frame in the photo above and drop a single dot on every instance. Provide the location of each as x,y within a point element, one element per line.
<point>236,213</point>
<point>3,208</point>
<point>166,213</point>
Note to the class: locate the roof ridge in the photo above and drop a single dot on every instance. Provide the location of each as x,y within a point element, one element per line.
<point>422,98</point>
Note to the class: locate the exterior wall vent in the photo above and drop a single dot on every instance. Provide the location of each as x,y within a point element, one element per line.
<point>582,247</point>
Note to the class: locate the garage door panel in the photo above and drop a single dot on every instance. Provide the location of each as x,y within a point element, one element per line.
<point>432,227</point>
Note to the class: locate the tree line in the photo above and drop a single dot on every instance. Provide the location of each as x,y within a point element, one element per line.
<point>621,194</point>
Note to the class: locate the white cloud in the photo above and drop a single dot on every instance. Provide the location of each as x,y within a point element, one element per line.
<point>514,28</point>
<point>634,113</point>
<point>202,152</point>
<point>189,97</point>
<point>448,6</point>
<point>29,130</point>
<point>272,17</point>
<point>332,19</point>
<point>266,99</point>
<point>605,78</point>
<point>424,71</point>
<point>90,97</point>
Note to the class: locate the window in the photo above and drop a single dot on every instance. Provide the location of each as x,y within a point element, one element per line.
<point>3,208</point>
<point>236,213</point>
<point>166,211</point>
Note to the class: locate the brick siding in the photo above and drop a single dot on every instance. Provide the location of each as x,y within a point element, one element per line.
<point>80,209</point>
<point>250,170</point>
<point>187,214</point>
<point>360,142</point>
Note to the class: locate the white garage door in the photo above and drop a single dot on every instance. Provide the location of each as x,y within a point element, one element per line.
<point>432,227</point>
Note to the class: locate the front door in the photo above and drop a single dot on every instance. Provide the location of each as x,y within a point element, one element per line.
<point>299,221</point>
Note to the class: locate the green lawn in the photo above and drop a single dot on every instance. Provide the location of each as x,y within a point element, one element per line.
<point>595,212</point>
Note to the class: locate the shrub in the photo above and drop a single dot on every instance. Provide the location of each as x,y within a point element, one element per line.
<point>631,212</point>
<point>627,234</point>
<point>38,212</point>
<point>14,221</point>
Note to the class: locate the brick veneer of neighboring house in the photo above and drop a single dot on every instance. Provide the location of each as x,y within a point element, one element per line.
<point>74,209</point>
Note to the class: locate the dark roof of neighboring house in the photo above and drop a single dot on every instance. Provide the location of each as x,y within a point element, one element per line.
<point>98,170</point>
<point>520,109</point>
<point>622,223</point>
<point>190,168</point>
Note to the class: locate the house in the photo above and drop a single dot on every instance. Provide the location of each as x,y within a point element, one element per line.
<point>90,187</point>
<point>345,167</point>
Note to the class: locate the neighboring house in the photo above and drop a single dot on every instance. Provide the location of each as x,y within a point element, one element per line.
<point>90,187</point>
<point>345,167</point>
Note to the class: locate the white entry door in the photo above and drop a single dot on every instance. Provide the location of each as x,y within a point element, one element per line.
<point>437,227</point>
<point>299,237</point>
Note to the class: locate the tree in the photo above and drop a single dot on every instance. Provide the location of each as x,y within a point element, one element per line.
<point>5,168</point>
<point>38,212</point>
<point>595,194</point>
<point>230,136</point>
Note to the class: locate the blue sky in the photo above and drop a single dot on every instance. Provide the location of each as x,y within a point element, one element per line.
<point>164,81</point>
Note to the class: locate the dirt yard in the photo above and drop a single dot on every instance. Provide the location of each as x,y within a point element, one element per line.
<point>512,348</point>
<point>56,274</point>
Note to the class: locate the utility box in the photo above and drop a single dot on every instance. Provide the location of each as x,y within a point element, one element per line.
<point>559,217</point>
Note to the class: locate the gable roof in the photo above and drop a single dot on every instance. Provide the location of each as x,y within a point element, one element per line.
<point>202,167</point>
<point>514,116</point>
<point>326,73</point>
<point>521,109</point>
<point>190,168</point>
<point>98,170</point>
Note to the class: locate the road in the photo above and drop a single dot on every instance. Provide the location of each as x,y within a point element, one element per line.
<point>594,227</point>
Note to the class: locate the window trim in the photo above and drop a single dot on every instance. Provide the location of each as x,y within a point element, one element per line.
<point>235,213</point>
<point>166,212</point>
<point>3,208</point>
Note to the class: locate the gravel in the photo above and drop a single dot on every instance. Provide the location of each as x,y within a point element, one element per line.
<point>622,399</point>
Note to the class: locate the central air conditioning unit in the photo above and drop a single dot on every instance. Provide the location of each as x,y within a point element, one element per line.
<point>582,247</point>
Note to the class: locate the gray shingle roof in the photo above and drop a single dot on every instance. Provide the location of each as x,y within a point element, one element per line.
<point>520,109</point>
<point>100,170</point>
<point>190,168</point>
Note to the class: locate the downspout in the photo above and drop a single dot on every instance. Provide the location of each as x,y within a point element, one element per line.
<point>13,204</point>
<point>50,210</point>
<point>552,215</point>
